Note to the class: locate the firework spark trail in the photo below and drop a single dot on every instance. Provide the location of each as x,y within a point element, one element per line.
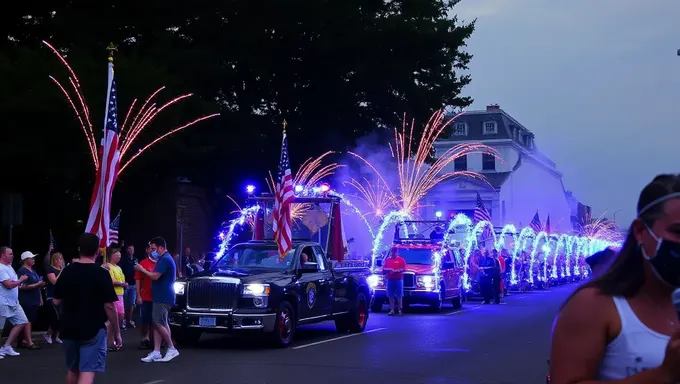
<point>600,228</point>
<point>377,197</point>
<point>143,108</point>
<point>127,116</point>
<point>130,138</point>
<point>90,140</point>
<point>83,104</point>
<point>163,136</point>
<point>311,172</point>
<point>416,176</point>
<point>144,117</point>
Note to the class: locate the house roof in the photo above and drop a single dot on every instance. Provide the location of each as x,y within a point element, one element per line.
<point>507,127</point>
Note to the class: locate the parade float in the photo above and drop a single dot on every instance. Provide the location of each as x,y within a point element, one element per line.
<point>536,258</point>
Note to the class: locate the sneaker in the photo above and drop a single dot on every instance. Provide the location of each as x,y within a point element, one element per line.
<point>132,324</point>
<point>48,338</point>
<point>58,341</point>
<point>152,356</point>
<point>7,350</point>
<point>169,355</point>
<point>123,325</point>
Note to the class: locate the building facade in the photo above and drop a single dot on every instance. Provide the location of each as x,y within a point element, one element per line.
<point>519,182</point>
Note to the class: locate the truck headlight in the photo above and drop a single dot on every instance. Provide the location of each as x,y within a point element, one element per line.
<point>179,287</point>
<point>425,281</point>
<point>375,281</point>
<point>256,290</point>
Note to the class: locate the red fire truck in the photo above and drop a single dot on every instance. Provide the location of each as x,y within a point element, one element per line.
<point>422,285</point>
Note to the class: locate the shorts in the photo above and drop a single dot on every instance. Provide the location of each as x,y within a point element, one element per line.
<point>88,355</point>
<point>145,313</point>
<point>159,314</point>
<point>120,306</point>
<point>130,297</point>
<point>14,314</point>
<point>395,288</point>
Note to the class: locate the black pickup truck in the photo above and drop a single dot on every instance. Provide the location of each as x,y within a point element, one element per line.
<point>252,288</point>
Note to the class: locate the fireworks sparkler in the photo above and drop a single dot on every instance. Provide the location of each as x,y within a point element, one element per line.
<point>129,132</point>
<point>600,228</point>
<point>311,173</point>
<point>416,175</point>
<point>377,196</point>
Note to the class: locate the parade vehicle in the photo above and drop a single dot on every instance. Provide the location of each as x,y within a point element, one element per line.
<point>421,284</point>
<point>252,288</point>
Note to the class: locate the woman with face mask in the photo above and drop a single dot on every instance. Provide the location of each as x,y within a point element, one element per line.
<point>621,326</point>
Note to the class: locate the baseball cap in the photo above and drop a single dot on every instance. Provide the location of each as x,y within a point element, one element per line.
<point>27,255</point>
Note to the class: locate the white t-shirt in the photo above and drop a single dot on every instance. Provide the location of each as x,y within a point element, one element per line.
<point>8,297</point>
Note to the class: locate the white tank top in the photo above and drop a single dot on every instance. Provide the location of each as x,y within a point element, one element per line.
<point>636,349</point>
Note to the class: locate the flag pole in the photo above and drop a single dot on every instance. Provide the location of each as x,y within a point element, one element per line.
<point>111,49</point>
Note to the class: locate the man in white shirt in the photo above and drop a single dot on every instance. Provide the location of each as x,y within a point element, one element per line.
<point>9,301</point>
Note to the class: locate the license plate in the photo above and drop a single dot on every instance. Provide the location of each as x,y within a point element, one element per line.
<point>207,321</point>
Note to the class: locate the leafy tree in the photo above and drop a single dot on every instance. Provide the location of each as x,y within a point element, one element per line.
<point>335,69</point>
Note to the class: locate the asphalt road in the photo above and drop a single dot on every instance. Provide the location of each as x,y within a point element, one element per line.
<point>480,344</point>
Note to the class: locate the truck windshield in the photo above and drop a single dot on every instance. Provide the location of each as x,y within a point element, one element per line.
<point>416,256</point>
<point>255,257</point>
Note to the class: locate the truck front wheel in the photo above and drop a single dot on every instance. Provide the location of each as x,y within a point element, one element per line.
<point>355,321</point>
<point>284,328</point>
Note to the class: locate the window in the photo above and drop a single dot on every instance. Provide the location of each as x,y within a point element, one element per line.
<point>318,252</point>
<point>490,127</point>
<point>488,162</point>
<point>460,164</point>
<point>460,129</point>
<point>309,259</point>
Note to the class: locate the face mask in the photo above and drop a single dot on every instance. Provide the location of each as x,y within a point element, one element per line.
<point>154,254</point>
<point>666,261</point>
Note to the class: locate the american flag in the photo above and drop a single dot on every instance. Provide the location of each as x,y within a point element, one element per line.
<point>536,223</point>
<point>547,224</point>
<point>481,214</point>
<point>113,229</point>
<point>284,197</point>
<point>109,155</point>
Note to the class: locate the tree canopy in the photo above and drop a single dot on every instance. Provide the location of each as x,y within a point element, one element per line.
<point>335,69</point>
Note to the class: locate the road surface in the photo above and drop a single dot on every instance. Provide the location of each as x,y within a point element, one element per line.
<point>480,344</point>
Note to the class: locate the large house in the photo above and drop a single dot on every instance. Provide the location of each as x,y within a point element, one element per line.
<point>519,183</point>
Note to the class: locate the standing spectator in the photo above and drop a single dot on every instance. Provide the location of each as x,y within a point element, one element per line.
<point>119,286</point>
<point>145,299</point>
<point>163,294</point>
<point>30,297</point>
<point>127,264</point>
<point>52,272</point>
<point>85,292</point>
<point>394,267</point>
<point>9,301</point>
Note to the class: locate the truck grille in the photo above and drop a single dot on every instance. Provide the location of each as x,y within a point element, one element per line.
<point>409,280</point>
<point>204,294</point>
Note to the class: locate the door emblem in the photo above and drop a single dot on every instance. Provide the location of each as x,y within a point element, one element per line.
<point>311,295</point>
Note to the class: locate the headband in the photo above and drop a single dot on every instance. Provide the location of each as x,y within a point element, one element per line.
<point>658,201</point>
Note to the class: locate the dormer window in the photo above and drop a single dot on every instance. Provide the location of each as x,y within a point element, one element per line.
<point>460,129</point>
<point>490,128</point>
